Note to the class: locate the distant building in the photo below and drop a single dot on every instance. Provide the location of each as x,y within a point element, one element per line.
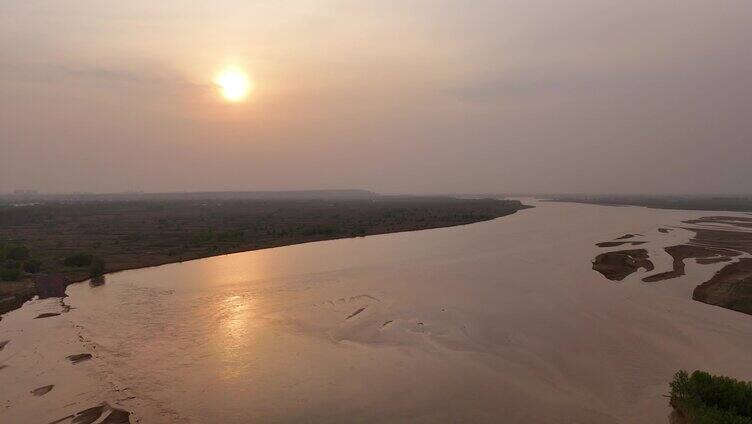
<point>25,192</point>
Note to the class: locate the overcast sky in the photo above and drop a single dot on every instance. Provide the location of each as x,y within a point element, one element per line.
<point>639,96</point>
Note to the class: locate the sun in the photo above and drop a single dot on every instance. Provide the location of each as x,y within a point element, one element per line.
<point>234,84</point>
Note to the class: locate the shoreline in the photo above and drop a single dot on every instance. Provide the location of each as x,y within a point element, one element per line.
<point>8,305</point>
<point>277,246</point>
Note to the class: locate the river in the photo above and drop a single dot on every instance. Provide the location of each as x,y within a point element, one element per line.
<point>499,321</point>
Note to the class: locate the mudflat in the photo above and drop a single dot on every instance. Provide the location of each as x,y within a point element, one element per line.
<point>731,287</point>
<point>714,240</point>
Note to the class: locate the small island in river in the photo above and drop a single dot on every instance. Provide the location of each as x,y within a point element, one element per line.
<point>717,239</point>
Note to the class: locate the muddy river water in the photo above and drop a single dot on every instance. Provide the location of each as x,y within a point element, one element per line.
<point>499,321</point>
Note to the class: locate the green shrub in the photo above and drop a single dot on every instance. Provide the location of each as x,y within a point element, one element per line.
<point>10,270</point>
<point>96,268</point>
<point>13,251</point>
<point>78,260</point>
<point>19,253</point>
<point>234,235</point>
<point>16,252</point>
<point>703,398</point>
<point>31,266</point>
<point>202,237</point>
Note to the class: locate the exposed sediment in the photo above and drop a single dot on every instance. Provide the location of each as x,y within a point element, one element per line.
<point>689,251</point>
<point>619,243</point>
<point>618,265</point>
<point>708,261</point>
<point>79,357</point>
<point>731,287</point>
<point>47,315</point>
<point>716,239</point>
<point>102,414</point>
<point>41,391</point>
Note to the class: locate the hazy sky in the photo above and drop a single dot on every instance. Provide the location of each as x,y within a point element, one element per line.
<point>394,96</point>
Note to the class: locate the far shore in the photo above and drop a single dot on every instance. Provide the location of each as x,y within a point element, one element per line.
<point>741,203</point>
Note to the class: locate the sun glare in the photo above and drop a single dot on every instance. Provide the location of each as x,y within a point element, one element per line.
<point>234,84</point>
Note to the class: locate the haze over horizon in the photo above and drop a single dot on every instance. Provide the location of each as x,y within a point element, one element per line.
<point>396,97</point>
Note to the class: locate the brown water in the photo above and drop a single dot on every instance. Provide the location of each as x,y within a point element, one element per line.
<point>496,321</point>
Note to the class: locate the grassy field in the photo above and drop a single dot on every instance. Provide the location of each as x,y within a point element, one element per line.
<point>80,238</point>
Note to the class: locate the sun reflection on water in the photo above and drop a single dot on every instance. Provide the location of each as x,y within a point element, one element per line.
<point>235,316</point>
<point>234,332</point>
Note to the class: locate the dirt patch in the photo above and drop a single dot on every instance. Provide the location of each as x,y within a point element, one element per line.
<point>50,285</point>
<point>687,251</point>
<point>101,414</point>
<point>729,240</point>
<point>356,312</point>
<point>731,287</point>
<point>79,357</point>
<point>41,391</point>
<point>618,265</point>
<point>619,243</point>
<point>708,261</point>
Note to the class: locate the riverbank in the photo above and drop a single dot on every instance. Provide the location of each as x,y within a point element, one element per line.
<point>143,233</point>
